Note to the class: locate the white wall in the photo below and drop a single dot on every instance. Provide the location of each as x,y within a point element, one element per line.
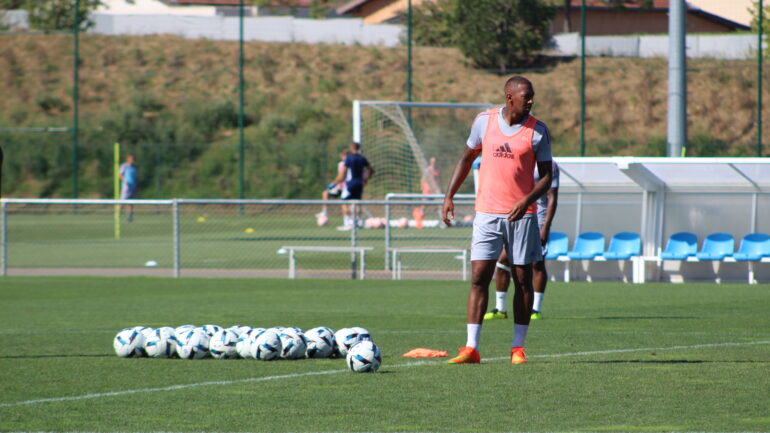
<point>730,47</point>
<point>345,31</point>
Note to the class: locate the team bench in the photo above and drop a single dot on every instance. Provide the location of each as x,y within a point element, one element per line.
<point>398,251</point>
<point>293,249</point>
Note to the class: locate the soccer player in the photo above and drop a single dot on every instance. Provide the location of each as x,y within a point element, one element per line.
<point>513,143</point>
<point>333,190</point>
<point>129,183</point>
<point>430,178</point>
<point>357,172</point>
<point>546,209</point>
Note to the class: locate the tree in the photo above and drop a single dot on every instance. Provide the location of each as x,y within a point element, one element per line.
<point>59,14</point>
<point>765,17</point>
<point>433,23</point>
<point>502,34</point>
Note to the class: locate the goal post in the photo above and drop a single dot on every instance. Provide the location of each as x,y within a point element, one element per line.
<point>401,138</point>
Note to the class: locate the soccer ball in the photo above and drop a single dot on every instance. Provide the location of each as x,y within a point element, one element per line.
<point>267,346</point>
<point>243,345</point>
<point>293,344</point>
<point>211,329</point>
<point>146,332</point>
<point>241,330</point>
<point>194,345</point>
<point>222,344</point>
<point>161,343</point>
<point>344,339</point>
<point>181,330</point>
<point>320,342</point>
<point>363,333</point>
<point>129,343</point>
<point>402,223</point>
<point>364,357</point>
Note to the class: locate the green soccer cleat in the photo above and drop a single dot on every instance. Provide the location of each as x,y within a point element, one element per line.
<point>536,315</point>
<point>496,314</point>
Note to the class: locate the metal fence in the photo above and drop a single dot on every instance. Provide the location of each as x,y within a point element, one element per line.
<point>233,238</point>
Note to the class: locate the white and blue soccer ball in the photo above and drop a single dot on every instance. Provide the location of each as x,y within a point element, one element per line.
<point>320,342</point>
<point>222,344</point>
<point>146,331</point>
<point>267,346</point>
<point>129,343</point>
<point>194,345</point>
<point>161,343</point>
<point>363,333</point>
<point>344,339</point>
<point>181,331</point>
<point>240,330</point>
<point>293,344</point>
<point>245,339</point>
<point>364,357</point>
<point>211,329</point>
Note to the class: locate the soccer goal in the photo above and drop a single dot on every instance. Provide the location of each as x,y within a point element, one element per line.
<point>400,139</point>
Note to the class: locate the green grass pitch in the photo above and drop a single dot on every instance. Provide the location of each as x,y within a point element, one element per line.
<point>607,357</point>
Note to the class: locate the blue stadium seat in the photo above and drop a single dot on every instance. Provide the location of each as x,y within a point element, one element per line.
<point>754,247</point>
<point>717,246</point>
<point>680,246</point>
<point>623,246</point>
<point>587,246</point>
<point>558,245</point>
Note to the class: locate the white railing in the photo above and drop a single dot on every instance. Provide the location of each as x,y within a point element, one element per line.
<point>176,205</point>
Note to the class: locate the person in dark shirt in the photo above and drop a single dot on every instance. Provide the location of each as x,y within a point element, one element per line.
<point>357,173</point>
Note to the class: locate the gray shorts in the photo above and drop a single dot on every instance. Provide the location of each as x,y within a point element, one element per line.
<point>492,233</point>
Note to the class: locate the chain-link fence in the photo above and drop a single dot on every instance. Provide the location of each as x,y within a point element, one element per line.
<point>232,238</point>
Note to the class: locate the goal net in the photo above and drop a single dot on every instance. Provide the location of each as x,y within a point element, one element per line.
<point>400,139</point>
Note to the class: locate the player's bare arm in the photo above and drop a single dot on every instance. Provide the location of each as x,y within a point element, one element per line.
<point>368,173</point>
<point>340,174</point>
<point>459,174</point>
<point>520,207</point>
<point>553,201</point>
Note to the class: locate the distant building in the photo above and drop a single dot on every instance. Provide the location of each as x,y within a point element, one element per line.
<point>736,10</point>
<point>297,8</point>
<point>635,18</point>
<point>377,11</point>
<point>601,18</point>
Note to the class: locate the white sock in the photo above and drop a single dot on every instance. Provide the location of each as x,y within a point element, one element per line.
<point>347,221</point>
<point>519,334</point>
<point>474,332</point>
<point>538,301</point>
<point>500,298</point>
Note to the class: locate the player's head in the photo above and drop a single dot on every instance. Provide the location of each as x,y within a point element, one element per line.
<point>519,95</point>
<point>354,147</point>
<point>344,153</point>
<point>130,159</point>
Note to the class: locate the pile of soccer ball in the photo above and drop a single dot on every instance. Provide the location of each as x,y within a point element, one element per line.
<point>191,342</point>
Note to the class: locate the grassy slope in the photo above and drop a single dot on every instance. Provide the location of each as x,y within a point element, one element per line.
<point>56,336</point>
<point>299,93</point>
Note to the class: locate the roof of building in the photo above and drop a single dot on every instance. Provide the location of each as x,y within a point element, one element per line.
<point>293,3</point>
<point>653,5</point>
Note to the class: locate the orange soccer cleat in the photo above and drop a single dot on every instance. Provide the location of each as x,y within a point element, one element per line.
<point>517,356</point>
<point>468,355</point>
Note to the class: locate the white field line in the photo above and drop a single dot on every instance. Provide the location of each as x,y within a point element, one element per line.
<point>325,372</point>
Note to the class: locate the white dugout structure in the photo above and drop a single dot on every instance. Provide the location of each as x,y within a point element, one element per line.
<point>657,197</point>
